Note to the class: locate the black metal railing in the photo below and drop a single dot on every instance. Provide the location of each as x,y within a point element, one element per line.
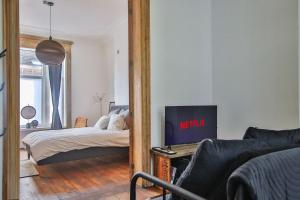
<point>180,192</point>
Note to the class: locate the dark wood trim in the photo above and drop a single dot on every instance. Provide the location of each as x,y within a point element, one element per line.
<point>139,85</point>
<point>69,88</point>
<point>11,153</point>
<point>40,38</point>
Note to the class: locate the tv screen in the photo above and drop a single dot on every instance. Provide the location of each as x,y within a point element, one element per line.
<point>189,124</point>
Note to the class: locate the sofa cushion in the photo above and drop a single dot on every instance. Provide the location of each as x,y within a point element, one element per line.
<point>211,160</point>
<point>281,137</point>
<point>220,190</point>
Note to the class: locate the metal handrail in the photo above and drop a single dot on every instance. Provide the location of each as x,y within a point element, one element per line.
<point>184,194</point>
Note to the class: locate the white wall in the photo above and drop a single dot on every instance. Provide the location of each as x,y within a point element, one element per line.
<point>116,45</point>
<point>238,54</point>
<point>121,81</point>
<point>100,66</point>
<point>109,54</point>
<point>181,69</point>
<point>90,77</point>
<point>255,64</point>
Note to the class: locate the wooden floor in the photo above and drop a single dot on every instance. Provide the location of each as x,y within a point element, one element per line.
<point>97,178</point>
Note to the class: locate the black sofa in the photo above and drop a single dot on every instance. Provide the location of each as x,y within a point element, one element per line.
<point>227,169</point>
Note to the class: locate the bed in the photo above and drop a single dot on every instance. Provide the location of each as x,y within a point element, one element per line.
<point>52,146</point>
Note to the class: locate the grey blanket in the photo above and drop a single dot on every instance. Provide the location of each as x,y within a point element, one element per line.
<point>274,176</point>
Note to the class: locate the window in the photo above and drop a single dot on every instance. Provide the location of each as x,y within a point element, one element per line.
<point>35,89</point>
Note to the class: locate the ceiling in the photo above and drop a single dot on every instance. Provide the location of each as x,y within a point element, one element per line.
<point>73,17</point>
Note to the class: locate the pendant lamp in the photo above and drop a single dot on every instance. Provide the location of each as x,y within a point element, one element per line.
<point>50,52</point>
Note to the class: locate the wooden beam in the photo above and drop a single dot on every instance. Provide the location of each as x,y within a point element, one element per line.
<point>11,154</point>
<point>31,41</point>
<point>139,84</point>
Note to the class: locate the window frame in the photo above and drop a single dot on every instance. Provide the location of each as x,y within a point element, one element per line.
<point>30,42</point>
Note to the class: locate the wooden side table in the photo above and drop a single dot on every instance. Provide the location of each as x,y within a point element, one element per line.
<point>162,163</point>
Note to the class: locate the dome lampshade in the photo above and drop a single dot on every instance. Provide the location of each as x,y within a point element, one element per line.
<point>50,52</point>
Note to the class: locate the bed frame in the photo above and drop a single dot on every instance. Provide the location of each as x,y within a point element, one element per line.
<point>91,152</point>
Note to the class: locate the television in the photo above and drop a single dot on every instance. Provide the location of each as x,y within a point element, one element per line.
<point>189,124</point>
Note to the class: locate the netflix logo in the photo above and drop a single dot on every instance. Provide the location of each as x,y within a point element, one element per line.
<point>192,124</point>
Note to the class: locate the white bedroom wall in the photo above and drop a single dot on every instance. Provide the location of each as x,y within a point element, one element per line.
<point>117,56</point>
<point>255,64</point>
<point>109,55</point>
<point>90,77</point>
<point>181,71</point>
<point>121,81</point>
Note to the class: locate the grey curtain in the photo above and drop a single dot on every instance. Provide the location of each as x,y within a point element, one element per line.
<point>55,82</point>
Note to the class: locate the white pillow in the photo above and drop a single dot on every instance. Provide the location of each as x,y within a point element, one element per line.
<point>103,122</point>
<point>116,122</point>
<point>116,111</point>
<point>125,115</point>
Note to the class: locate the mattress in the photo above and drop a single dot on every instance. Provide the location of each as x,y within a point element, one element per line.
<point>44,144</point>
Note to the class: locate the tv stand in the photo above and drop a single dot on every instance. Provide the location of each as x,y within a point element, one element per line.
<point>163,150</point>
<point>163,163</point>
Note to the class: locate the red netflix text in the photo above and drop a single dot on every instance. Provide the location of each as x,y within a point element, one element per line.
<point>192,124</point>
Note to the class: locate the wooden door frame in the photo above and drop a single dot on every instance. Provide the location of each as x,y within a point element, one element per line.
<point>11,155</point>
<point>139,92</point>
<point>140,85</point>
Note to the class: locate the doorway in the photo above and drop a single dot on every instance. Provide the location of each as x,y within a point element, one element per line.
<point>139,92</point>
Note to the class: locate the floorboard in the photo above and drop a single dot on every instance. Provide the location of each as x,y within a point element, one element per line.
<point>89,179</point>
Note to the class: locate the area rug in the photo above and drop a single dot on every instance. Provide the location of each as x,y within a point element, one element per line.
<point>27,169</point>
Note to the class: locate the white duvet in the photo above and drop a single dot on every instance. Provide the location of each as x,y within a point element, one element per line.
<point>44,144</point>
